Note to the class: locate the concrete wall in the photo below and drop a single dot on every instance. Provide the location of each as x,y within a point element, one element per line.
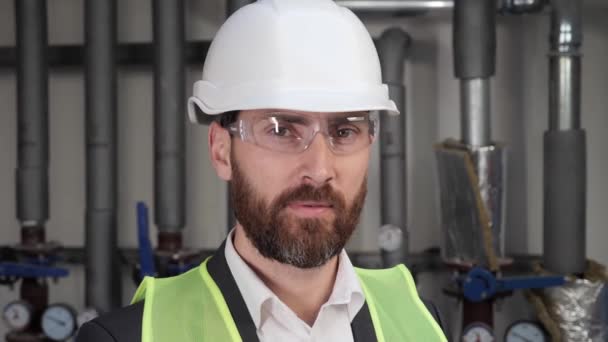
<point>519,119</point>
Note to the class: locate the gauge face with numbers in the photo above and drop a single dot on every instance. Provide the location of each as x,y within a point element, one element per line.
<point>58,322</point>
<point>525,331</point>
<point>477,332</point>
<point>17,315</point>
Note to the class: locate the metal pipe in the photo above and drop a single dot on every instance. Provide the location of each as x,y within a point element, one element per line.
<point>169,106</point>
<point>475,111</point>
<point>565,39</point>
<point>392,49</point>
<point>32,191</point>
<point>474,64</point>
<point>504,6</point>
<point>565,163</point>
<point>395,5</point>
<point>521,6</point>
<point>102,265</point>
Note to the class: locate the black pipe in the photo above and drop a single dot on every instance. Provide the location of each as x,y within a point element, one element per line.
<point>103,278</point>
<point>169,109</point>
<point>565,163</point>
<point>32,179</point>
<point>565,178</point>
<point>128,54</point>
<point>392,48</point>
<point>474,39</point>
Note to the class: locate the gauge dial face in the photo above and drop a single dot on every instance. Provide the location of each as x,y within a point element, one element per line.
<point>17,315</point>
<point>390,238</point>
<point>525,331</point>
<point>477,332</point>
<point>58,322</point>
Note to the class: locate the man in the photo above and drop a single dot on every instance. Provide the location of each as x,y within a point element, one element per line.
<point>290,89</point>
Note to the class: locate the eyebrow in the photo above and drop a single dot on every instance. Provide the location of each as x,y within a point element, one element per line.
<point>288,117</point>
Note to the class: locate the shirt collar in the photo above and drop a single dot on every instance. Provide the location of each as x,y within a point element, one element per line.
<point>346,290</point>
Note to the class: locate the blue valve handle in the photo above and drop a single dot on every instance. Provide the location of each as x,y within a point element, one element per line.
<point>480,284</point>
<point>20,270</point>
<point>146,253</point>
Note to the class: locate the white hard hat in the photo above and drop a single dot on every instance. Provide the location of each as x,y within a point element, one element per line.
<point>308,55</point>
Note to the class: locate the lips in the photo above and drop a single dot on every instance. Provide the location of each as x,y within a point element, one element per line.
<point>310,208</point>
<point>311,204</point>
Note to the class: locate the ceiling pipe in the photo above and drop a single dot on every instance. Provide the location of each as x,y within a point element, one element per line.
<point>102,269</point>
<point>392,48</point>
<point>169,129</point>
<point>418,6</point>
<point>565,151</point>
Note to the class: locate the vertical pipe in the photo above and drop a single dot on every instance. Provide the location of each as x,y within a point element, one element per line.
<point>231,7</point>
<point>32,189</point>
<point>169,109</point>
<point>102,264</point>
<point>392,48</point>
<point>565,168</point>
<point>32,192</point>
<point>474,64</point>
<point>475,111</point>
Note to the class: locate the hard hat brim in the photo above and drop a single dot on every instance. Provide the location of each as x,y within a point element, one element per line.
<point>201,108</point>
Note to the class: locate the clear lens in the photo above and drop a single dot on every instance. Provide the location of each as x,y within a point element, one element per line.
<point>293,133</point>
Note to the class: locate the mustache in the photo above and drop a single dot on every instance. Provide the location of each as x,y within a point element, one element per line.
<point>307,192</point>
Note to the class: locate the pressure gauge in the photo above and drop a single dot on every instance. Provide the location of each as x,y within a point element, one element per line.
<point>59,322</point>
<point>477,332</point>
<point>18,315</point>
<point>526,331</point>
<point>390,237</point>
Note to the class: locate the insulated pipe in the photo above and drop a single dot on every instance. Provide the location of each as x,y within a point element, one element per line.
<point>474,64</point>
<point>102,263</point>
<point>392,48</point>
<point>32,190</point>
<point>565,160</point>
<point>169,107</point>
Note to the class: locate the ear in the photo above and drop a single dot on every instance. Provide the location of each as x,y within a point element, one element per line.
<point>219,143</point>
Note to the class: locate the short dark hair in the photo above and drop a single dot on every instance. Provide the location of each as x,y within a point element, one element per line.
<point>228,118</point>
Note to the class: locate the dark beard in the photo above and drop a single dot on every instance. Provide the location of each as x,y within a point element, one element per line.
<point>300,242</point>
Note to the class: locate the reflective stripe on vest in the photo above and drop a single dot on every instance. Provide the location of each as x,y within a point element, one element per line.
<point>196,306</point>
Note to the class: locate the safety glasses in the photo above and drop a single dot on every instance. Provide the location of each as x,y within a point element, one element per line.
<point>291,132</point>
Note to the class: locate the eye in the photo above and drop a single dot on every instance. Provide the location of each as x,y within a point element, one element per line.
<point>279,131</point>
<point>345,133</point>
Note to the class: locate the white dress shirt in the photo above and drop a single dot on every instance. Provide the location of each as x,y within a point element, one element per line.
<point>275,321</point>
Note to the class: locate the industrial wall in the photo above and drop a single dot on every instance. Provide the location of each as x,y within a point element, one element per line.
<point>520,116</point>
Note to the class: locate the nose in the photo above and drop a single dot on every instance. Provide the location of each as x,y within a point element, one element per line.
<point>318,162</point>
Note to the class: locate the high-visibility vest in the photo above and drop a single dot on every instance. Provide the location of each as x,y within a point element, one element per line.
<point>205,305</point>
